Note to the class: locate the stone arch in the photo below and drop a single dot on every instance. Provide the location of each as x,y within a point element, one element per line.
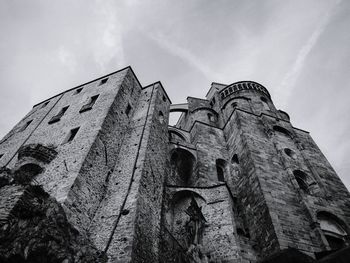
<point>333,228</point>
<point>306,183</point>
<point>180,218</point>
<point>177,134</point>
<point>235,98</point>
<point>221,170</point>
<point>282,130</point>
<point>182,166</point>
<point>26,173</point>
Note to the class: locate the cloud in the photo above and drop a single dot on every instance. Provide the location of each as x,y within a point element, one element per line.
<point>109,44</point>
<point>186,55</point>
<point>285,88</point>
<point>67,58</point>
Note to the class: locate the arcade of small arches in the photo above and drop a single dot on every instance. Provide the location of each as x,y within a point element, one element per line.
<point>243,85</point>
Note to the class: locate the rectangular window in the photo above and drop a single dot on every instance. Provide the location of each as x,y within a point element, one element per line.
<point>57,117</point>
<point>128,109</point>
<point>103,81</point>
<point>45,104</point>
<point>77,91</point>
<point>25,126</point>
<point>90,104</point>
<point>71,135</point>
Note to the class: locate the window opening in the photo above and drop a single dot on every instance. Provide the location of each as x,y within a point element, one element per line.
<point>290,153</point>
<point>45,104</point>
<point>77,91</point>
<point>161,117</point>
<point>103,81</point>
<point>301,179</point>
<point>220,174</point>
<point>332,229</point>
<point>128,109</point>
<point>1,155</point>
<point>72,134</point>
<point>220,170</point>
<point>263,99</point>
<point>90,104</point>
<point>25,126</point>
<point>57,117</point>
<point>234,159</point>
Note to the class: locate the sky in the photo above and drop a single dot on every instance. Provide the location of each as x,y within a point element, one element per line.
<point>298,49</point>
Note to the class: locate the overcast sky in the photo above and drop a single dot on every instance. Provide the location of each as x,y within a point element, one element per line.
<point>298,49</point>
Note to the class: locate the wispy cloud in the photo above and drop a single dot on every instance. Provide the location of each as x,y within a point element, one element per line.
<point>186,55</point>
<point>67,58</point>
<point>288,82</point>
<point>110,45</point>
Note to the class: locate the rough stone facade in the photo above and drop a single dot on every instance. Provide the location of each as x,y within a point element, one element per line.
<point>95,174</point>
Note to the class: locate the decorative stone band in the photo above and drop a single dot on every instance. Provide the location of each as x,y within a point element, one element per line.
<point>243,85</point>
<point>38,152</point>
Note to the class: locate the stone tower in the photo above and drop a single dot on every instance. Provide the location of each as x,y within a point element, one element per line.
<point>95,174</point>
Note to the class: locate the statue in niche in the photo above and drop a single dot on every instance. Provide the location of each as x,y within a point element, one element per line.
<point>196,223</point>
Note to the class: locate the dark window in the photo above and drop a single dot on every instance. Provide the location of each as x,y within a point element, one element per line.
<point>164,98</point>
<point>282,130</point>
<point>1,155</point>
<point>103,81</point>
<point>25,126</point>
<point>72,134</point>
<point>161,117</point>
<point>45,104</point>
<point>77,91</point>
<point>220,173</point>
<point>263,99</point>
<point>128,109</point>
<point>234,159</point>
<point>290,153</point>
<point>57,117</point>
<point>301,178</point>
<point>90,104</point>
<point>220,169</point>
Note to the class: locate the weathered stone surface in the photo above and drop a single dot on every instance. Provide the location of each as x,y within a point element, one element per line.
<point>115,178</point>
<point>34,228</point>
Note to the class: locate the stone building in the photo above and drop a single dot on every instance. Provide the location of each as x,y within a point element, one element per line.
<point>95,174</point>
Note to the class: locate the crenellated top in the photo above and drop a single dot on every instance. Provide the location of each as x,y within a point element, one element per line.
<point>243,85</point>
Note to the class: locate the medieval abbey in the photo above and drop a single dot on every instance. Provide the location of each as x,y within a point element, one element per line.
<point>96,174</point>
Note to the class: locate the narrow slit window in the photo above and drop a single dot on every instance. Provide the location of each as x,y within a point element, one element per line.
<point>77,91</point>
<point>90,104</point>
<point>25,126</point>
<point>45,104</point>
<point>1,155</point>
<point>103,81</point>
<point>72,135</point>
<point>57,117</point>
<point>128,109</point>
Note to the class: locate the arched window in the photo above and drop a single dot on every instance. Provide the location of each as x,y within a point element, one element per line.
<point>282,130</point>
<point>220,169</point>
<point>234,159</point>
<point>333,230</point>
<point>305,182</point>
<point>290,153</point>
<point>182,163</point>
<point>161,117</point>
<point>301,178</point>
